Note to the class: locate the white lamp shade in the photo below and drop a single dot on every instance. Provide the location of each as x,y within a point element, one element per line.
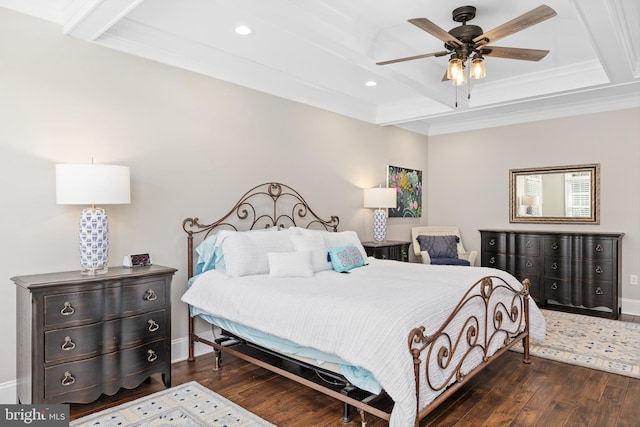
<point>91,184</point>
<point>380,198</point>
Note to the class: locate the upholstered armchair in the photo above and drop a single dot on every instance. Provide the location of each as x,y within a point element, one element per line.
<point>448,247</point>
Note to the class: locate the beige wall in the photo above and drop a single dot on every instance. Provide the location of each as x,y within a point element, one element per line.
<point>194,145</point>
<point>468,178</point>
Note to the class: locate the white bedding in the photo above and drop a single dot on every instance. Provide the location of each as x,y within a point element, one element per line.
<point>363,317</point>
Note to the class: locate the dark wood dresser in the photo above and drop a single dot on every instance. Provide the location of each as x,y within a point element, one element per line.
<point>578,272</point>
<point>388,249</point>
<point>82,336</point>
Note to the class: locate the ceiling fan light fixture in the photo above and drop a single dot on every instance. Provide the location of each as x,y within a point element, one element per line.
<point>460,79</point>
<point>455,69</point>
<point>478,68</point>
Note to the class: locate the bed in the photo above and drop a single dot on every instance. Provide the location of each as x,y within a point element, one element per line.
<point>389,338</point>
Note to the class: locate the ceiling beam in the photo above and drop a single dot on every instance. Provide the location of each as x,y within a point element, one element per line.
<point>89,20</point>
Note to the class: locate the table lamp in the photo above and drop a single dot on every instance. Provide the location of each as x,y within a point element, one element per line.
<point>380,199</point>
<point>92,184</point>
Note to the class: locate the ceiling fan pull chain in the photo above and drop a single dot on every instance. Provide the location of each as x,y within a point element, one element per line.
<point>456,96</point>
<point>469,78</point>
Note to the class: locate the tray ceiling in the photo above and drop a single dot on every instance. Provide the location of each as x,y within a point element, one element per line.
<point>322,52</point>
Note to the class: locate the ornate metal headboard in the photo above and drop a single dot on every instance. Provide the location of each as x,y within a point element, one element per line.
<point>264,206</point>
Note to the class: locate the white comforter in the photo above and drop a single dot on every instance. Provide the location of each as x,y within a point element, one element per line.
<point>363,317</point>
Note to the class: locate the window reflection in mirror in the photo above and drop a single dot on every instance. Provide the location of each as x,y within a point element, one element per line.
<point>562,194</point>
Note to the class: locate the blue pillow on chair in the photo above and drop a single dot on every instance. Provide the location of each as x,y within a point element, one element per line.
<point>439,246</point>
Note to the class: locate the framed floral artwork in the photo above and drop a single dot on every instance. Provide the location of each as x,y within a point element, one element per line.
<point>408,185</point>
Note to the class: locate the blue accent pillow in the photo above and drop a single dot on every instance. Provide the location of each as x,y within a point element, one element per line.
<point>345,258</point>
<point>439,246</point>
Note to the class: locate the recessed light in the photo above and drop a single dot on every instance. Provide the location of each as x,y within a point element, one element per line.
<point>371,83</point>
<point>243,30</point>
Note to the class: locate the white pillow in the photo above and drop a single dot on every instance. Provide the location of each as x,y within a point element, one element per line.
<point>335,239</point>
<point>314,243</point>
<point>290,264</point>
<point>246,253</point>
<point>343,238</point>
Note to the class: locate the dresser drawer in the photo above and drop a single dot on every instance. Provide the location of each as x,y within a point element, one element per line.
<point>597,248</point>
<point>71,309</point>
<point>527,265</point>
<point>143,295</point>
<point>558,290</point>
<point>494,260</point>
<point>76,308</point>
<point>597,294</point>
<point>557,246</point>
<point>527,244</point>
<point>557,267</point>
<point>81,342</point>
<point>598,271</point>
<point>494,242</point>
<point>103,374</point>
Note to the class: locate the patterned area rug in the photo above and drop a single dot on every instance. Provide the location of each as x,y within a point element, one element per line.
<point>188,404</point>
<point>593,342</point>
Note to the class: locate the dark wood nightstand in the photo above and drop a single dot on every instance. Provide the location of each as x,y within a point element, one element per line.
<point>82,336</point>
<point>388,249</point>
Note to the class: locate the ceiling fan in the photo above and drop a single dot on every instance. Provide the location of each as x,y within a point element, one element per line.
<point>470,43</point>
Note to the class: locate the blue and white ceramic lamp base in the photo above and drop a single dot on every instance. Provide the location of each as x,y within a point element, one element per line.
<point>94,241</point>
<point>379,225</point>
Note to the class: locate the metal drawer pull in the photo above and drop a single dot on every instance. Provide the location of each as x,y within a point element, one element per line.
<point>529,264</point>
<point>599,291</point>
<point>153,326</point>
<point>492,260</point>
<point>492,242</point>
<point>599,248</point>
<point>68,344</point>
<point>152,355</point>
<point>68,379</point>
<point>67,310</point>
<point>599,269</point>
<point>554,266</point>
<point>554,286</point>
<point>529,244</point>
<point>150,296</point>
<point>555,246</point>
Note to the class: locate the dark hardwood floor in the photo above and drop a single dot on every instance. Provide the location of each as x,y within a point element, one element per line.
<point>507,393</point>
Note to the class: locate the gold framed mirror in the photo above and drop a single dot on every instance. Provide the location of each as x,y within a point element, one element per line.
<point>555,195</point>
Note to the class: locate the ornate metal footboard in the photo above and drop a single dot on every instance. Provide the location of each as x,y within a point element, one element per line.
<point>439,358</point>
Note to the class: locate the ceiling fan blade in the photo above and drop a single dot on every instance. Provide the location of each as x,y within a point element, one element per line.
<point>514,53</point>
<point>434,30</point>
<point>535,16</point>
<point>410,58</point>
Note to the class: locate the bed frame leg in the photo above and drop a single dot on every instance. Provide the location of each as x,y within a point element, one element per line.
<point>364,422</point>
<point>346,414</point>
<point>217,357</point>
<point>525,346</point>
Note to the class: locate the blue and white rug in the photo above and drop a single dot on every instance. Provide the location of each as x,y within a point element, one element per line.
<point>188,404</point>
<point>593,342</point>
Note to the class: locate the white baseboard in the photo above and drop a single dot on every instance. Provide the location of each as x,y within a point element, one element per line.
<point>631,306</point>
<point>180,347</point>
<point>179,352</point>
<point>9,392</point>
